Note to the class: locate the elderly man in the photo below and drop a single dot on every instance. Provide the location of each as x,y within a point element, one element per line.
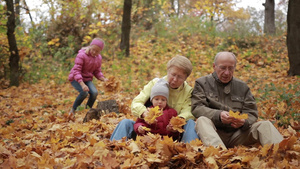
<point>215,95</point>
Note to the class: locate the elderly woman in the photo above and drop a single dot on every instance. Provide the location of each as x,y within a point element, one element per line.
<point>178,69</point>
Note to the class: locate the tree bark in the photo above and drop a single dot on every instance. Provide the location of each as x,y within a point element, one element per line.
<point>18,21</point>
<point>269,26</point>
<point>14,54</point>
<point>178,6</point>
<point>103,107</point>
<point>293,37</point>
<point>126,26</point>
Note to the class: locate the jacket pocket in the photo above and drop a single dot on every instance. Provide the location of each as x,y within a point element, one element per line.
<point>213,97</point>
<point>237,102</point>
<point>213,101</point>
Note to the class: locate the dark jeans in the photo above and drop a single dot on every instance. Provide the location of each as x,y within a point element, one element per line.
<point>83,94</point>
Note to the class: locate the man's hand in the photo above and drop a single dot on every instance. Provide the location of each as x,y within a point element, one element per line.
<point>225,118</point>
<point>237,123</point>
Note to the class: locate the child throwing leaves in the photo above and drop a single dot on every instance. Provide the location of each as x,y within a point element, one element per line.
<point>87,65</point>
<point>159,96</point>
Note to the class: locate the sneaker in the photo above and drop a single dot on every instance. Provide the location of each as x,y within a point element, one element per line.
<point>72,112</point>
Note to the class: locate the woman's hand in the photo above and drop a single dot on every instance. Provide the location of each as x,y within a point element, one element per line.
<point>145,113</point>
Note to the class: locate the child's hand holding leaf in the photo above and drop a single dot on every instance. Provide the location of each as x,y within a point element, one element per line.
<point>153,114</point>
<point>176,124</point>
<point>143,129</point>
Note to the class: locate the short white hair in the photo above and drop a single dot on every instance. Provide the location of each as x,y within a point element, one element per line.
<point>221,53</point>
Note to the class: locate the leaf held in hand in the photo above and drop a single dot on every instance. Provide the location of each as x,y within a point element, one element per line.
<point>177,123</point>
<point>146,128</point>
<point>237,115</point>
<point>153,114</point>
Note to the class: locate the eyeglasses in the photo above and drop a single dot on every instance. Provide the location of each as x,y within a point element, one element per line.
<point>174,75</point>
<point>224,68</point>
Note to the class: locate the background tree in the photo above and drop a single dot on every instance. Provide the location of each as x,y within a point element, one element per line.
<point>14,54</point>
<point>26,8</point>
<point>17,13</point>
<point>126,26</point>
<point>269,25</point>
<point>293,37</point>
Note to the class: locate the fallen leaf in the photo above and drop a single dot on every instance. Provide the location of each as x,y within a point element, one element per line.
<point>134,147</point>
<point>211,162</point>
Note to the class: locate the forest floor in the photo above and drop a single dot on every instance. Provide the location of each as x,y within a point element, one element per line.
<point>35,131</point>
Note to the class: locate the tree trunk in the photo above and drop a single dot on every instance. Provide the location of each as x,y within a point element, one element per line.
<point>103,107</point>
<point>269,26</point>
<point>18,21</point>
<point>178,6</point>
<point>293,37</point>
<point>126,26</point>
<point>14,54</point>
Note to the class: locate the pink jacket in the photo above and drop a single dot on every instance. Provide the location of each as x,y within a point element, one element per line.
<point>86,66</point>
<point>160,126</point>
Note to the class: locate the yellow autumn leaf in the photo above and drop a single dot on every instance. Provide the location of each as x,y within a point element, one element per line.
<point>177,123</point>
<point>53,41</point>
<point>153,114</point>
<point>237,115</point>
<point>146,128</point>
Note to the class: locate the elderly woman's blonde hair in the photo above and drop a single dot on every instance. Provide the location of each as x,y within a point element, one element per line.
<point>181,62</point>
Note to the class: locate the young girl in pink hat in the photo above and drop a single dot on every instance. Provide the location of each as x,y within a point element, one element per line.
<point>87,65</point>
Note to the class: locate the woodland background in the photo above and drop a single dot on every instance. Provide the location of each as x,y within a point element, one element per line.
<point>36,133</point>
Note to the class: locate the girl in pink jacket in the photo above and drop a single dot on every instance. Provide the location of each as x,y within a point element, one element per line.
<point>87,65</point>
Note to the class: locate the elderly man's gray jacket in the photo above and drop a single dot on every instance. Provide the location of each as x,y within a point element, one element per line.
<point>210,97</point>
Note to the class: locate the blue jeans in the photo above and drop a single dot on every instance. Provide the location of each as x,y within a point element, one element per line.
<point>83,94</point>
<point>189,133</point>
<point>125,129</point>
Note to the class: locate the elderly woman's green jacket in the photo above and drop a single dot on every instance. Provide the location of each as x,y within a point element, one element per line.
<point>179,99</point>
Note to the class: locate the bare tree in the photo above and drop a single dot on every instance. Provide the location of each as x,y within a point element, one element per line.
<point>269,26</point>
<point>13,49</point>
<point>28,11</point>
<point>126,26</point>
<point>293,37</point>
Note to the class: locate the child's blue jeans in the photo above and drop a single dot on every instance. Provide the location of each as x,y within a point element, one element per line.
<point>83,94</point>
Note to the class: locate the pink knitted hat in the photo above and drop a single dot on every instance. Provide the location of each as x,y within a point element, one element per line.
<point>98,43</point>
